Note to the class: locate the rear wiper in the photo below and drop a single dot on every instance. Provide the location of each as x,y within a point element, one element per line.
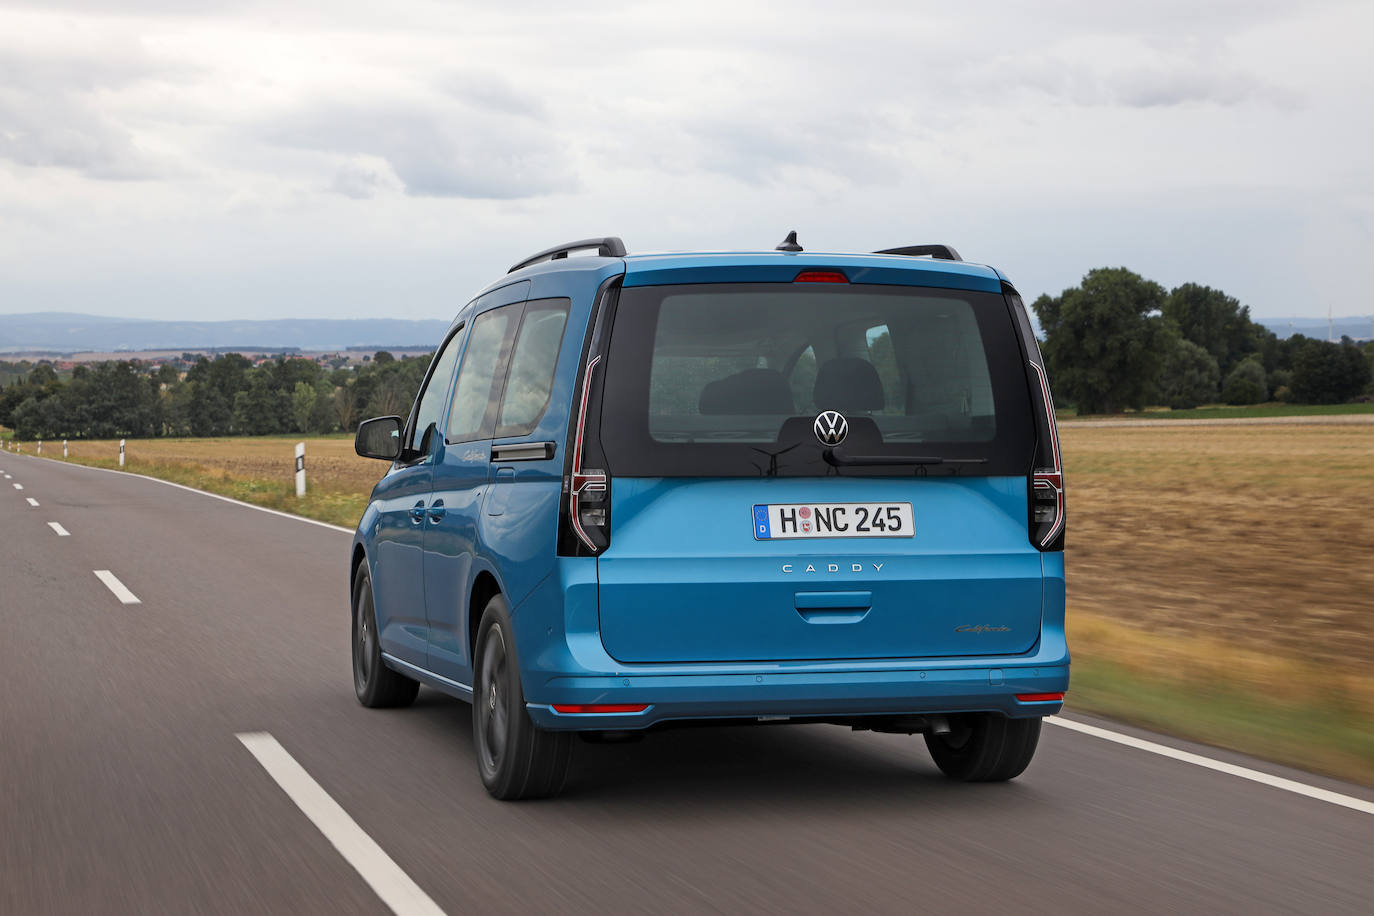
<point>837,458</point>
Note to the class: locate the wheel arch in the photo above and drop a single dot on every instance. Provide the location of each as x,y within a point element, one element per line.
<point>484,587</point>
<point>359,558</point>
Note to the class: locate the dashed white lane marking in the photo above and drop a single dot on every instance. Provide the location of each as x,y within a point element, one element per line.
<point>378,869</point>
<point>113,584</point>
<point>1277,782</point>
<point>32,502</point>
<point>19,486</point>
<point>61,532</point>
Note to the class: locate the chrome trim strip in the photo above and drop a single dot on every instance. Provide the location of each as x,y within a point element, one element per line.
<point>436,680</point>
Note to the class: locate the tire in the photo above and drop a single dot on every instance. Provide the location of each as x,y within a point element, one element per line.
<point>514,758</point>
<point>376,685</point>
<point>985,747</point>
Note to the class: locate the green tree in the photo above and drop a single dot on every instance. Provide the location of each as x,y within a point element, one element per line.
<point>1246,384</point>
<point>1328,373</point>
<point>1104,340</point>
<point>258,409</point>
<point>1189,376</point>
<point>1216,322</point>
<point>302,406</point>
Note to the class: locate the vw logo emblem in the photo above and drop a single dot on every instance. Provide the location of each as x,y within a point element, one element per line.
<point>831,427</point>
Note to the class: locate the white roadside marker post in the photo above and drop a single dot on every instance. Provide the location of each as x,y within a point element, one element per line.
<point>300,469</point>
<point>64,448</point>
<point>121,453</point>
<point>40,446</point>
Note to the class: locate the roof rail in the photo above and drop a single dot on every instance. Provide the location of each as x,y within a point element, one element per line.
<point>609,247</point>
<point>943,252</point>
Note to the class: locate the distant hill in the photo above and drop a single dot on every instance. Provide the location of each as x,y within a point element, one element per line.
<point>69,333</point>
<point>1357,328</point>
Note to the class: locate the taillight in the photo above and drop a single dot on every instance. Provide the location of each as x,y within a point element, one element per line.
<point>1047,510</point>
<point>589,491</point>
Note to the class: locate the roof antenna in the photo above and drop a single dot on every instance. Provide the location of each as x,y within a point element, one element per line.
<point>789,243</point>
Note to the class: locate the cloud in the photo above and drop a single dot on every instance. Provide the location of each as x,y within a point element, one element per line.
<point>69,134</point>
<point>438,150</point>
<point>857,148</point>
<point>364,177</point>
<point>490,92</point>
<point>1129,73</point>
<point>54,110</point>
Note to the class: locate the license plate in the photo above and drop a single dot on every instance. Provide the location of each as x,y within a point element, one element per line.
<point>833,520</point>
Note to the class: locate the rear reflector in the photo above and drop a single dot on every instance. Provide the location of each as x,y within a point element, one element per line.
<point>821,276</point>
<point>595,708</point>
<point>1040,697</point>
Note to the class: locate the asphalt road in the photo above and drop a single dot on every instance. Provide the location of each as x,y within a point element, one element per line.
<point>123,786</point>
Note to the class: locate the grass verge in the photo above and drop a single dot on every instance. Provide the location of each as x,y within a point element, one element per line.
<point>1280,709</point>
<point>336,508</point>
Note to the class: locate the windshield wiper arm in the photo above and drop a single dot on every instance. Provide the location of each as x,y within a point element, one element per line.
<point>837,458</point>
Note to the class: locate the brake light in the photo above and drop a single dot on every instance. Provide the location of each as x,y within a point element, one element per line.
<point>1040,697</point>
<point>1047,504</point>
<point>599,708</point>
<point>821,276</point>
<point>589,491</point>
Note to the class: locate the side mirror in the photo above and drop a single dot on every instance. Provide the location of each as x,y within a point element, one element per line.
<point>379,438</point>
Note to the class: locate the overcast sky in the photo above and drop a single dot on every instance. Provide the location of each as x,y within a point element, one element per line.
<point>190,159</point>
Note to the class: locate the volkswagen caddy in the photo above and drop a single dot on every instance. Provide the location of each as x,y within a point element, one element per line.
<point>774,486</point>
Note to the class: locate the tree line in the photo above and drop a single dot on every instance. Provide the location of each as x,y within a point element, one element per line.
<point>226,396</point>
<point>1118,340</point>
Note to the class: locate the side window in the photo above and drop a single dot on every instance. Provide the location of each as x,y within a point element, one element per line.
<point>477,376</point>
<point>532,364</point>
<point>431,403</point>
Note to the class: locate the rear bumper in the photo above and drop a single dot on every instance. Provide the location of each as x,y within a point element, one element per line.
<point>569,666</point>
<point>812,694</point>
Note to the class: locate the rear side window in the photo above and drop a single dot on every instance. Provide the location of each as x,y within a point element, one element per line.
<point>477,375</point>
<point>728,380</point>
<point>532,365</point>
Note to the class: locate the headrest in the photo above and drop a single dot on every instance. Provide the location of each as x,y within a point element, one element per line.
<point>848,384</point>
<point>753,391</point>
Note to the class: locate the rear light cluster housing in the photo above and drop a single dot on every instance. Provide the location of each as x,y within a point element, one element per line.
<point>1047,509</point>
<point>589,490</point>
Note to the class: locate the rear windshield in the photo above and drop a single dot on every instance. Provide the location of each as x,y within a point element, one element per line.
<point>728,380</point>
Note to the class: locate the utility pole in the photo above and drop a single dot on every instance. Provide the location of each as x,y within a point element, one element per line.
<point>1330,337</point>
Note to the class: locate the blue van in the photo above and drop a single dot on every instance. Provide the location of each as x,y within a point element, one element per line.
<point>775,486</point>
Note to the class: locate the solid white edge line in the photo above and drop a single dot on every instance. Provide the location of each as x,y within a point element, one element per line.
<point>113,584</point>
<point>32,502</point>
<point>378,869</point>
<point>61,532</point>
<point>1231,769</point>
<point>181,486</point>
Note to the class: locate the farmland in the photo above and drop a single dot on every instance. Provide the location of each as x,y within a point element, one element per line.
<point>1221,578</point>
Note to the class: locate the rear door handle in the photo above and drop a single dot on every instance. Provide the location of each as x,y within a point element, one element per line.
<point>417,513</point>
<point>833,607</point>
<point>436,510</point>
<point>523,451</point>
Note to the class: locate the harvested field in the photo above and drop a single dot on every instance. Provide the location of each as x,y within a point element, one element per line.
<point>1256,537</point>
